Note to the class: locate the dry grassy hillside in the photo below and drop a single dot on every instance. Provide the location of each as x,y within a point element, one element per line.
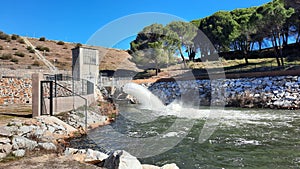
<point>15,54</point>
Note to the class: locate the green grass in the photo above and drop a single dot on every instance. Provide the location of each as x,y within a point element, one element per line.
<point>240,63</point>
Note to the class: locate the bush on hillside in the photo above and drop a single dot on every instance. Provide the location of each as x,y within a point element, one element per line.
<point>78,45</point>
<point>15,60</point>
<point>42,48</point>
<point>6,56</point>
<point>42,39</point>
<point>14,37</point>
<point>1,47</point>
<point>20,54</point>
<point>60,43</point>
<point>4,36</point>
<point>20,40</point>
<point>36,63</point>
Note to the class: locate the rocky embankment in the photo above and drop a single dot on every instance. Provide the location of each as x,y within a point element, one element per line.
<point>282,92</point>
<point>50,134</point>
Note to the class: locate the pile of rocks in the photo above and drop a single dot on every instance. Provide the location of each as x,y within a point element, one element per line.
<point>281,92</point>
<point>119,159</point>
<point>77,119</point>
<point>34,134</point>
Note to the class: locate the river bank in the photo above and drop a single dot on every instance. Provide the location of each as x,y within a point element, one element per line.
<point>32,141</point>
<point>279,92</point>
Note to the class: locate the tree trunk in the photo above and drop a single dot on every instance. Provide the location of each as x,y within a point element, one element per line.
<point>274,43</point>
<point>280,50</point>
<point>182,57</point>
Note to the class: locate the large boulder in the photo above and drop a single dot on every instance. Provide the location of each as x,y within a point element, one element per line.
<point>4,132</point>
<point>19,153</point>
<point>20,142</point>
<point>121,159</point>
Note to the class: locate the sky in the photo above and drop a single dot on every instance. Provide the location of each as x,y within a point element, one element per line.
<point>94,22</point>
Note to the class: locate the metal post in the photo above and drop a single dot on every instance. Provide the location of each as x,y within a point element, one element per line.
<point>51,98</point>
<point>85,115</point>
<point>42,98</point>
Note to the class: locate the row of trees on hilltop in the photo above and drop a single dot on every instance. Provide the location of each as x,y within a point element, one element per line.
<point>238,30</point>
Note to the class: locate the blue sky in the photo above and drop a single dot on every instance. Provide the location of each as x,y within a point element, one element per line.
<point>77,21</point>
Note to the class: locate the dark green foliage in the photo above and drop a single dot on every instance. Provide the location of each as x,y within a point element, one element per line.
<point>6,56</point>
<point>29,48</point>
<point>42,39</point>
<point>20,54</point>
<point>15,60</point>
<point>78,45</point>
<point>154,47</point>
<point>14,37</point>
<point>60,43</point>
<point>20,40</point>
<point>4,36</point>
<point>31,51</point>
<point>42,48</point>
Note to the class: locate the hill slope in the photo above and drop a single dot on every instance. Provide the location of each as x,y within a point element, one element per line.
<point>15,54</point>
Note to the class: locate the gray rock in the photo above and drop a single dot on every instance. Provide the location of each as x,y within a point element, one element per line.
<point>4,140</point>
<point>6,148</point>
<point>19,153</point>
<point>121,159</point>
<point>2,155</point>
<point>4,132</point>
<point>70,151</point>
<point>47,146</point>
<point>51,129</point>
<point>22,142</point>
<point>26,129</point>
<point>170,166</point>
<point>38,132</point>
<point>95,155</point>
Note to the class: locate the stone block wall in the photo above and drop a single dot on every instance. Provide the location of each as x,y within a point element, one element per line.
<point>15,91</point>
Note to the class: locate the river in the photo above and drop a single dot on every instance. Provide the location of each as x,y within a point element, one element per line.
<point>239,138</point>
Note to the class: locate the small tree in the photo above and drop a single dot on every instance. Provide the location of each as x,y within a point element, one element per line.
<point>60,43</point>
<point>42,39</point>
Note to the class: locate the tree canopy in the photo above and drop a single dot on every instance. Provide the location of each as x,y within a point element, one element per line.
<point>240,30</point>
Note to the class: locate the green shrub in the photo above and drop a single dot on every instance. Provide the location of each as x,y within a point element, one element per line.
<point>28,67</point>
<point>14,37</point>
<point>36,63</point>
<point>78,45</point>
<point>42,48</point>
<point>20,54</point>
<point>1,47</point>
<point>14,49</point>
<point>20,40</point>
<point>29,48</point>
<point>6,56</point>
<point>15,60</point>
<point>42,39</point>
<point>60,43</point>
<point>4,36</point>
<point>31,51</point>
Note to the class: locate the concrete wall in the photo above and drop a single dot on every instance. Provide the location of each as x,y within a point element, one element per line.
<point>64,104</point>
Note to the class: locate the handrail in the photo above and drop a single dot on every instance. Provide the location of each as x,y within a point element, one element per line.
<point>40,56</point>
<point>85,109</point>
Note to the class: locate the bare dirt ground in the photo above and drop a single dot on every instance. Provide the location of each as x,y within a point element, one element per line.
<point>47,161</point>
